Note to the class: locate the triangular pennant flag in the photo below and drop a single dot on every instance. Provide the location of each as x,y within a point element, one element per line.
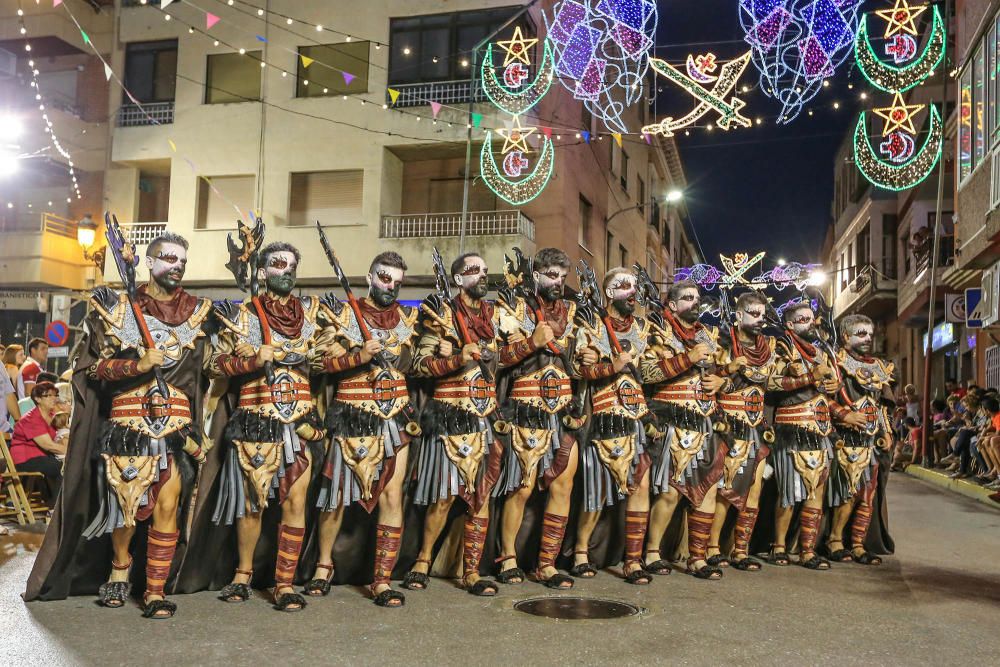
<point>107,71</point>
<point>647,139</point>
<point>86,37</point>
<point>348,77</point>
<point>173,146</point>
<point>194,169</point>
<point>393,94</point>
<point>586,136</point>
<point>477,120</point>
<point>435,108</point>
<point>261,38</point>
<point>165,3</point>
<point>132,97</point>
<point>210,20</point>
<point>56,3</point>
<point>306,61</point>
<point>618,138</point>
<point>547,131</point>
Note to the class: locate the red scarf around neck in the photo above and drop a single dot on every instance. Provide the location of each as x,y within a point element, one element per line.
<point>174,311</point>
<point>285,318</point>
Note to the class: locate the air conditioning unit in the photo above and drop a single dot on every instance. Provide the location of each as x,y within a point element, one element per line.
<point>988,309</point>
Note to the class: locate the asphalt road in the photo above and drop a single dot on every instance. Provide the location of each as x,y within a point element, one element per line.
<point>935,602</point>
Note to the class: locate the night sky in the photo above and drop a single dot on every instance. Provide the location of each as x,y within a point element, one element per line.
<point>768,187</point>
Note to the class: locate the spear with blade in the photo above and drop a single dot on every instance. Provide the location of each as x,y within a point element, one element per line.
<point>444,291</point>
<point>244,260</point>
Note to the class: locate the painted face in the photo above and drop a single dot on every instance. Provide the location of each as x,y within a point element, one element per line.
<point>861,338</point>
<point>687,304</point>
<point>383,284</point>
<point>621,291</point>
<point>803,323</point>
<point>279,272</point>
<point>168,267</point>
<point>549,282</point>
<point>473,280</point>
<point>751,318</point>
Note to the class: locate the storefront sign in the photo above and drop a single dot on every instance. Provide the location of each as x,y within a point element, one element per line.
<point>943,335</point>
<point>954,308</point>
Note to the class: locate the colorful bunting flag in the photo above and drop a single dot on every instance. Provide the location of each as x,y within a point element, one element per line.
<point>173,146</point>
<point>618,138</point>
<point>586,136</point>
<point>210,20</point>
<point>547,131</point>
<point>165,3</point>
<point>477,120</point>
<point>435,108</point>
<point>86,37</point>
<point>393,94</point>
<point>306,61</point>
<point>348,77</point>
<point>261,38</point>
<point>56,3</point>
<point>107,72</point>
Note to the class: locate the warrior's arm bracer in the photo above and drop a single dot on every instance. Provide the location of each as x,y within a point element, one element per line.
<point>107,368</point>
<point>427,362</point>
<point>838,411</point>
<point>225,362</point>
<point>784,377</point>
<point>601,369</point>
<point>514,353</point>
<point>327,361</point>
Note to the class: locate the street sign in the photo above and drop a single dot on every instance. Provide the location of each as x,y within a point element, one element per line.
<point>56,333</point>
<point>973,297</point>
<point>954,307</point>
<point>58,352</point>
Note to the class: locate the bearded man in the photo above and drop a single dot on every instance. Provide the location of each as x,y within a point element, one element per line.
<point>371,423</point>
<point>864,439</point>
<point>136,435</point>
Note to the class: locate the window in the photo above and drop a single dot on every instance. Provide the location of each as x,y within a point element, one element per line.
<point>436,47</point>
<point>991,83</point>
<point>337,69</point>
<point>586,216</point>
<point>642,197</point>
<point>232,77</point>
<point>332,197</point>
<point>889,223</point>
<point>979,81</point>
<point>864,249</point>
<point>904,242</point>
<point>215,209</point>
<point>624,171</point>
<point>586,118</point>
<point>151,71</point>
<point>622,256</point>
<point>965,126</point>
<point>609,246</point>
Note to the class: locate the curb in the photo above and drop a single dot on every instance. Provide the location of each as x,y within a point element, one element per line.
<point>959,486</point>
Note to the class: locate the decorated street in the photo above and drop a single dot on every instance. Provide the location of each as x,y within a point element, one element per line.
<point>931,603</point>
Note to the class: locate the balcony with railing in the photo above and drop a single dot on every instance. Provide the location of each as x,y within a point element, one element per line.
<point>871,293</point>
<point>149,113</point>
<point>45,255</point>
<point>441,92</point>
<point>490,233</point>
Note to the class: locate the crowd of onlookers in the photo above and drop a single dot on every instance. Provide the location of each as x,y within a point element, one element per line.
<point>963,437</point>
<point>34,413</point>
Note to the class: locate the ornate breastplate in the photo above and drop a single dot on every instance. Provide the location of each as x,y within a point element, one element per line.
<point>380,391</point>
<point>469,391</point>
<point>548,389</point>
<point>519,319</point>
<point>747,405</point>
<point>812,415</point>
<point>393,340</point>
<point>287,400</point>
<point>870,376</point>
<point>146,411</point>
<point>622,397</point>
<point>121,326</point>
<point>288,351</point>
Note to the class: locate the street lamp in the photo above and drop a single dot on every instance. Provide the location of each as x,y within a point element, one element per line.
<point>86,234</point>
<point>817,278</point>
<point>675,196</point>
<point>8,163</point>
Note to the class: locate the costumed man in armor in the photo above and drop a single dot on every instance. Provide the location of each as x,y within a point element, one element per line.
<point>748,436</point>
<point>140,382</point>
<point>264,348</point>
<point>371,422</point>
<point>611,359</point>
<point>864,439</point>
<point>803,382</point>
<point>689,460</point>
<point>543,451</point>
<point>460,455</point>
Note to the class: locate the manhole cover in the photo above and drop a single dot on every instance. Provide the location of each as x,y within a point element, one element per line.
<point>576,608</point>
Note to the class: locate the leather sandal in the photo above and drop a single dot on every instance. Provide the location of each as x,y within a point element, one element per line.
<point>483,588</point>
<point>557,581</point>
<point>289,602</point>
<point>866,558</point>
<point>659,566</point>
<point>817,562</point>
<point>417,581</point>
<point>113,594</point>
<point>514,575</point>
<point>778,556</point>
<point>319,587</point>
<point>236,592</point>
<point>584,570</point>
<point>745,563</point>
<point>638,576</point>
<point>388,598</point>
<point>155,609</point>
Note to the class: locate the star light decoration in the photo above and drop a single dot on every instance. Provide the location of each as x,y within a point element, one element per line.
<point>904,166</point>
<point>797,44</point>
<point>699,72</point>
<point>602,49</point>
<point>908,69</point>
<point>514,94</point>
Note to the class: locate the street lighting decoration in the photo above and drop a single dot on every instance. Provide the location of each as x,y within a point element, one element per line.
<point>675,196</point>
<point>86,234</point>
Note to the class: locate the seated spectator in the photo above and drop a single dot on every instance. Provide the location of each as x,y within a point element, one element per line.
<point>38,353</point>
<point>35,446</point>
<point>972,422</point>
<point>940,414</point>
<point>25,404</point>
<point>989,446</point>
<point>904,449</point>
<point>9,412</point>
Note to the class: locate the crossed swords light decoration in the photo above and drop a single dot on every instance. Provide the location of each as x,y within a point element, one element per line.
<point>695,82</point>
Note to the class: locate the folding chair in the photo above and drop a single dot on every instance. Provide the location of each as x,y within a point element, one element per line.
<point>21,504</point>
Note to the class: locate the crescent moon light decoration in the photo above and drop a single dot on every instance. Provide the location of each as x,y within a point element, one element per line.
<point>907,174</point>
<point>517,102</point>
<point>893,79</point>
<point>521,191</point>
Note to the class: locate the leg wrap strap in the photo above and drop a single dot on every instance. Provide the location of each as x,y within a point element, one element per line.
<point>809,528</point>
<point>387,539</point>
<point>744,529</point>
<point>859,527</point>
<point>160,549</point>
<point>635,535</point>
<point>553,530</point>
<point>289,547</point>
<point>699,531</point>
<point>475,538</point>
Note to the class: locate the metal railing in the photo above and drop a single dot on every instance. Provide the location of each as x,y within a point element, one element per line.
<point>481,223</point>
<point>152,113</point>
<point>443,92</point>
<point>141,233</point>
<point>58,225</point>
